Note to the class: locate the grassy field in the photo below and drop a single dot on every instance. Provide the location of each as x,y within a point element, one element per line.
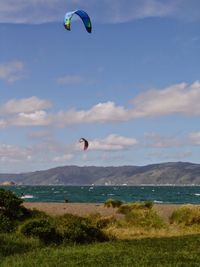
<point>135,236</point>
<point>16,251</point>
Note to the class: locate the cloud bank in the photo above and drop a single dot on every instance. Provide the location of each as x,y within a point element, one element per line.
<point>113,142</point>
<point>104,11</point>
<point>51,150</point>
<point>182,99</point>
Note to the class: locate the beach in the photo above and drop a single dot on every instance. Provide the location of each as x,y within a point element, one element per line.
<point>84,209</point>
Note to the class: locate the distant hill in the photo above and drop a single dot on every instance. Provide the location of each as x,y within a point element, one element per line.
<point>164,173</point>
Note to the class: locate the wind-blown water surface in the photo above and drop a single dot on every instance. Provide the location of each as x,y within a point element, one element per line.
<point>99,194</point>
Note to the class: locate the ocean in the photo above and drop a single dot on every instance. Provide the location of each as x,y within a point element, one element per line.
<point>99,194</point>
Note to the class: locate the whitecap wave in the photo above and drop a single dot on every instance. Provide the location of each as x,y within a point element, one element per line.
<point>27,196</point>
<point>158,201</point>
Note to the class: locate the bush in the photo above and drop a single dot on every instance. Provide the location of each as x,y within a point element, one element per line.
<point>6,224</point>
<point>127,208</point>
<point>10,204</point>
<point>44,229</point>
<point>23,213</point>
<point>100,221</point>
<point>141,214</point>
<point>66,228</point>
<point>34,213</point>
<point>142,205</point>
<point>146,218</point>
<point>104,222</point>
<point>186,215</point>
<point>76,229</point>
<point>114,203</point>
<point>148,204</point>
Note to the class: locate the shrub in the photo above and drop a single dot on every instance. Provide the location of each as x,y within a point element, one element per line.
<point>6,224</point>
<point>148,204</point>
<point>66,228</point>
<point>10,204</point>
<point>142,205</point>
<point>114,203</point>
<point>126,208</point>
<point>146,218</point>
<point>23,213</point>
<point>101,221</point>
<point>186,215</point>
<point>44,229</point>
<point>76,229</point>
<point>34,213</point>
<point>94,217</point>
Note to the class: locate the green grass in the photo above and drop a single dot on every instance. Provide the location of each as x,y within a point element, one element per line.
<point>11,244</point>
<point>141,238</point>
<point>173,251</point>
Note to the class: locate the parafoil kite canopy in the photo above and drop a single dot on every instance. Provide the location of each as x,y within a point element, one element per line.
<point>86,144</point>
<point>83,15</point>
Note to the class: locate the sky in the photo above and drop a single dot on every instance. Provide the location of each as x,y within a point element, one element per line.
<point>131,87</point>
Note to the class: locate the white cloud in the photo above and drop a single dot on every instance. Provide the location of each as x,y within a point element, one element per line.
<point>12,71</point>
<point>45,151</point>
<point>112,11</point>
<point>25,105</point>
<point>51,146</point>
<point>100,113</point>
<point>158,141</point>
<point>25,112</point>
<point>112,142</point>
<point>195,138</point>
<point>14,153</point>
<point>30,11</point>
<point>137,9</point>
<point>3,123</point>
<point>54,151</point>
<point>37,118</point>
<point>181,99</point>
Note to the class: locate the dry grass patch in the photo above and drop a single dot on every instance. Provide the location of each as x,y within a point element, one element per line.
<point>187,215</point>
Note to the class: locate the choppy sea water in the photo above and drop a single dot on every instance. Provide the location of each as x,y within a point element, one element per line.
<point>99,194</point>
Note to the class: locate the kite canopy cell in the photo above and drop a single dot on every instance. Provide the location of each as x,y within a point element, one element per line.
<point>83,15</point>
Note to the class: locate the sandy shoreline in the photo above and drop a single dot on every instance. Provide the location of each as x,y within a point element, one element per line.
<point>83,209</point>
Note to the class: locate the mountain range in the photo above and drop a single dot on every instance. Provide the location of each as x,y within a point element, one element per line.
<point>163,173</point>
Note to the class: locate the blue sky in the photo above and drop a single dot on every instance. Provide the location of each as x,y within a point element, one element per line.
<point>132,87</point>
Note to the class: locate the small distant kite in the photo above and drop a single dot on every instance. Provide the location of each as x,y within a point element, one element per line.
<point>86,144</point>
<point>83,15</point>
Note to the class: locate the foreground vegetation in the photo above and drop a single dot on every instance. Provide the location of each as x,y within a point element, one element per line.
<point>138,237</point>
<point>173,251</point>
